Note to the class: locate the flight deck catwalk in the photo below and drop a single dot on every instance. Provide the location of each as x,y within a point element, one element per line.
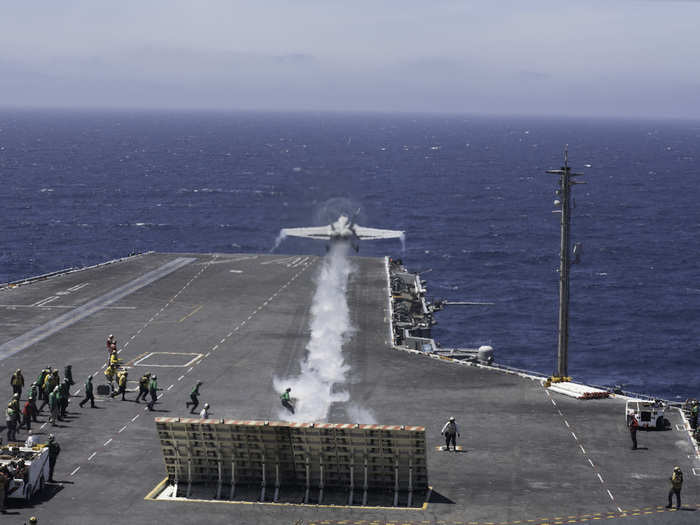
<point>564,200</point>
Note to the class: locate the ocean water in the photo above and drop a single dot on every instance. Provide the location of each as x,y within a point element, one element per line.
<point>470,192</point>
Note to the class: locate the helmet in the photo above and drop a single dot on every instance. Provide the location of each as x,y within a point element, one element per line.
<point>206,405</point>
<point>154,377</point>
<point>676,469</point>
<point>452,418</point>
<point>110,336</point>
<point>288,389</point>
<point>19,371</point>
<point>51,437</point>
<point>199,383</point>
<point>33,519</point>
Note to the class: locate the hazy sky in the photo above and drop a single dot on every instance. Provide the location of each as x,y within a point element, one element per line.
<point>565,57</point>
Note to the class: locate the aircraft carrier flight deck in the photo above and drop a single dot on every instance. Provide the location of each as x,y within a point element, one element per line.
<point>240,324</point>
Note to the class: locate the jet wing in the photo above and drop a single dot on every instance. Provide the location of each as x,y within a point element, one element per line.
<point>375,233</point>
<point>317,232</point>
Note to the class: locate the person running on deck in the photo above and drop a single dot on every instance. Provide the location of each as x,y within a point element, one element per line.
<point>143,386</point>
<point>122,385</point>
<point>286,400</point>
<point>194,398</point>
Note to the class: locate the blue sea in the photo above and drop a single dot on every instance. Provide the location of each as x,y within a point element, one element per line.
<point>471,193</point>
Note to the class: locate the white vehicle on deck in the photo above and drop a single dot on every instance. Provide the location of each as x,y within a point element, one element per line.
<point>649,414</point>
<point>29,480</point>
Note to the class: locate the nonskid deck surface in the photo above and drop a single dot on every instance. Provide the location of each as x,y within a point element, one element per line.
<point>237,321</point>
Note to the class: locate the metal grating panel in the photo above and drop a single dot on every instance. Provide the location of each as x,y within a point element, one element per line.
<point>306,455</point>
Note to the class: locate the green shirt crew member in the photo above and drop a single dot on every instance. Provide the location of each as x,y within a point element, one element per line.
<point>194,397</point>
<point>89,396</point>
<point>286,400</point>
<point>153,391</point>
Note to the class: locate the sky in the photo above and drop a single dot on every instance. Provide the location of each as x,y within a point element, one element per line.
<point>625,58</point>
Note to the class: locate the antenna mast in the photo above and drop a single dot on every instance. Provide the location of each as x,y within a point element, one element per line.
<point>564,202</point>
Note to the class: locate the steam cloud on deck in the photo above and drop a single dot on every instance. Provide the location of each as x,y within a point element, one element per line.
<point>323,370</point>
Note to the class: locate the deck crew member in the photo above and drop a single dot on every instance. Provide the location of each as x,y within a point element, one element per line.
<point>28,413</point>
<point>286,400</point>
<point>17,382</point>
<point>204,414</point>
<point>54,451</point>
<point>122,385</point>
<point>14,402</point>
<point>89,396</point>
<point>153,391</point>
<point>34,391</point>
<point>143,386</point>
<point>109,375</point>
<point>64,389</point>
<point>53,406</point>
<point>114,358</point>
<point>676,485</point>
<point>40,383</point>
<point>450,432</point>
<point>32,402</point>
<point>633,427</point>
<point>194,398</point>
<point>68,375</point>
<point>11,423</point>
<point>50,383</point>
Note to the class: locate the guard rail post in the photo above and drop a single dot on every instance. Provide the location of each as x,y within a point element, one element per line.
<point>262,483</point>
<point>308,479</point>
<point>233,478</point>
<point>396,481</point>
<point>189,476</point>
<point>218,486</point>
<point>410,480</point>
<point>320,484</point>
<point>277,481</point>
<point>352,480</point>
<point>365,487</point>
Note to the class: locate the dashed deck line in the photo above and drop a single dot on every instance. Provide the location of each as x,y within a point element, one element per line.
<point>581,518</point>
<point>583,450</point>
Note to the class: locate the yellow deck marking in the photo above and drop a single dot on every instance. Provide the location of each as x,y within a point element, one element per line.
<point>191,313</point>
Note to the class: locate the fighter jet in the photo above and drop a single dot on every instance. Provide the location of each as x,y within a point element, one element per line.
<point>342,230</point>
